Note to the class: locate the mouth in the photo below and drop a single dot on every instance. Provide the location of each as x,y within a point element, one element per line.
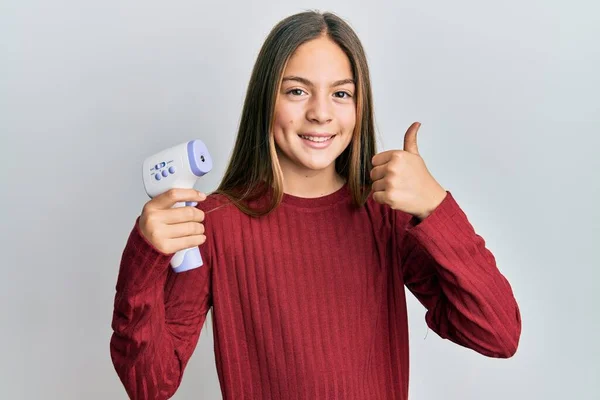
<point>317,138</point>
<point>317,141</point>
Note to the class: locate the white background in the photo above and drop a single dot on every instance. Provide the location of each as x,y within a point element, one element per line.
<point>508,95</point>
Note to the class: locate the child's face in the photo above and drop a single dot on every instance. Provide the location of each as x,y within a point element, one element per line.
<point>317,96</point>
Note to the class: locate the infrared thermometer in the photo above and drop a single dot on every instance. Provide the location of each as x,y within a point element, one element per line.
<point>178,167</point>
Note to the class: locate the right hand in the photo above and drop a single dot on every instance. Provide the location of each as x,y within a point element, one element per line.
<point>173,229</point>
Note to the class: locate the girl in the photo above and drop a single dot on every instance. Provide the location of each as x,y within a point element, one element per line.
<point>308,244</point>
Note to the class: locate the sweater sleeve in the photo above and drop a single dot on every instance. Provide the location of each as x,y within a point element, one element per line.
<point>157,318</point>
<point>448,268</point>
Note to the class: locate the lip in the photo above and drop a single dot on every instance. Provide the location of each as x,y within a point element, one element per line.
<point>317,134</point>
<point>317,145</point>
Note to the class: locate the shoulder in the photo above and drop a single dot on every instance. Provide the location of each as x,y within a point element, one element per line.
<point>219,212</point>
<point>217,204</point>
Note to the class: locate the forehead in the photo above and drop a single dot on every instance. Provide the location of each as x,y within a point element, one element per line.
<point>320,57</point>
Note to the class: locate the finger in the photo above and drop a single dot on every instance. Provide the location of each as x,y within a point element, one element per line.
<point>382,158</point>
<point>182,214</point>
<point>380,197</point>
<point>410,138</point>
<point>185,229</point>
<point>169,198</point>
<point>379,186</point>
<point>378,172</point>
<point>186,242</point>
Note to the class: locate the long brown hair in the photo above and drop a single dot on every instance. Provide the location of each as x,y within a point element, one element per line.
<point>254,167</point>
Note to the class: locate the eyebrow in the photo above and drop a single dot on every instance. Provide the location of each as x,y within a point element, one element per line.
<point>309,83</point>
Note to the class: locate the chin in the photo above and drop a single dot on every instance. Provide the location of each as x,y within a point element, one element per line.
<point>316,166</point>
<point>319,164</point>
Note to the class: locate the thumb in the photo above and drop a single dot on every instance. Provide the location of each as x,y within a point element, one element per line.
<point>410,138</point>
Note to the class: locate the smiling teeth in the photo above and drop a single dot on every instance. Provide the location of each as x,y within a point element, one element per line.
<point>316,139</point>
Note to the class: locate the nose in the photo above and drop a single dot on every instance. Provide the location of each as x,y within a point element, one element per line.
<point>319,109</point>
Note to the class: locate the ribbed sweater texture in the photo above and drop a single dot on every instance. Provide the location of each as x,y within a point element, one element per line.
<point>309,301</point>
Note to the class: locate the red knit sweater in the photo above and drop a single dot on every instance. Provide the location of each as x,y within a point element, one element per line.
<point>309,301</point>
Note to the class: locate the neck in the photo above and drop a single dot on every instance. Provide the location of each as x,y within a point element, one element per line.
<point>310,183</point>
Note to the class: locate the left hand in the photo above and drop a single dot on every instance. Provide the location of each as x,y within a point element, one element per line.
<point>402,181</point>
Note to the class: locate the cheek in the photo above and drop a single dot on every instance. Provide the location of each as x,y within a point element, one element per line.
<point>347,123</point>
<point>283,120</point>
<point>282,125</point>
<point>348,119</point>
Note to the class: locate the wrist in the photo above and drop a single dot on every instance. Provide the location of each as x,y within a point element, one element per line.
<point>437,199</point>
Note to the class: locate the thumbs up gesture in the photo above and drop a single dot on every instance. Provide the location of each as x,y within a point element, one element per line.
<point>402,181</point>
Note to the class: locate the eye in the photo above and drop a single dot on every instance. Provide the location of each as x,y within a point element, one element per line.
<point>295,92</point>
<point>342,95</point>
